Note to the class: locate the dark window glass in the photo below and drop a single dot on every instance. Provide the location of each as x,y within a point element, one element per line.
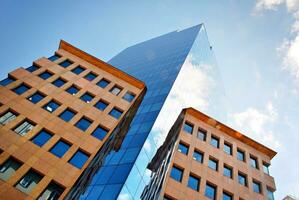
<point>36,97</point>
<point>183,148</point>
<point>7,117</point>
<point>228,148</point>
<point>226,196</point>
<point>45,75</point>
<point>83,123</point>
<point>7,81</point>
<point>67,115</point>
<point>21,89</point>
<point>116,113</point>
<point>78,70</point>
<point>32,68</point>
<point>73,90</point>
<point>176,173</point>
<point>79,159</point>
<point>193,182</point>
<point>266,168</point>
<point>53,58</point>
<point>8,168</point>
<point>256,187</point>
<point>24,127</point>
<point>215,141</point>
<point>60,148</point>
<point>198,156</point>
<point>59,82</point>
<point>242,179</point>
<point>29,181</point>
<point>167,198</point>
<point>51,106</point>
<point>213,164</point>
<point>87,97</point>
<point>253,162</point>
<point>240,155</point>
<point>101,105</point>
<point>65,63</point>
<point>228,171</point>
<point>202,134</point>
<point>270,194</point>
<point>210,191</point>
<point>52,192</point>
<point>129,96</point>
<point>103,83</point>
<point>41,138</point>
<point>100,133</point>
<point>90,76</point>
<point>115,90</point>
<point>188,128</point>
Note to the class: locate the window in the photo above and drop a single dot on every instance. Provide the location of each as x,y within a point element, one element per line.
<point>227,196</point>
<point>266,168</point>
<point>41,138</point>
<point>79,159</point>
<point>59,82</point>
<point>116,113</point>
<point>103,83</point>
<point>100,132</point>
<point>215,141</point>
<point>45,75</point>
<point>129,96</point>
<point>32,68</point>
<point>36,97</point>
<point>90,76</point>
<point>101,105</point>
<point>73,90</point>
<point>198,156</point>
<point>176,173</point>
<point>193,182</point>
<point>24,127</point>
<point>7,81</point>
<point>51,106</point>
<point>240,155</point>
<point>188,127</point>
<point>227,171</point>
<point>242,178</point>
<point>116,90</point>
<point>227,148</point>
<point>29,181</point>
<point>78,70</point>
<point>166,197</point>
<point>253,162</point>
<point>210,191</point>
<point>7,117</point>
<point>270,194</point>
<point>60,148</point>
<point>8,168</point>
<point>67,115</point>
<point>65,63</point>
<point>213,164</point>
<point>87,97</point>
<point>21,89</point>
<point>183,148</point>
<point>202,134</point>
<point>83,123</point>
<point>53,58</point>
<point>52,192</point>
<point>256,186</point>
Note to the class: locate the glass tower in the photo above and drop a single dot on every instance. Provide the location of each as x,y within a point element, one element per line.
<point>179,70</point>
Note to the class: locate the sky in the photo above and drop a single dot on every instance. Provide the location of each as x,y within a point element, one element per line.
<point>256,43</point>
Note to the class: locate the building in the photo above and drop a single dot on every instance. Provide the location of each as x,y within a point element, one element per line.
<point>59,116</point>
<point>289,197</point>
<point>202,158</point>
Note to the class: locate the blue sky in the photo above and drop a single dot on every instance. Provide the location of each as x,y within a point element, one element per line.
<point>256,44</point>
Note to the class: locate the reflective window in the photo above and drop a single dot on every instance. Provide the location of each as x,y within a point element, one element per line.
<point>59,82</point>
<point>253,162</point>
<point>41,138</point>
<point>226,196</point>
<point>53,58</point>
<point>79,159</point>
<point>210,191</point>
<point>100,132</point>
<point>87,97</point>
<point>270,194</point>
<point>7,117</point>
<point>65,63</point>
<point>227,171</point>
<point>242,178</point>
<point>90,76</point>
<point>240,155</point>
<point>176,173</point>
<point>78,70</point>
<point>32,68</point>
<point>101,105</point>
<point>256,186</point>
<point>198,156</point>
<point>21,89</point>
<point>183,148</point>
<point>24,127</point>
<point>7,81</point>
<point>215,141</point>
<point>227,148</point>
<point>60,148</point>
<point>83,123</point>
<point>8,168</point>
<point>116,90</point>
<point>116,113</point>
<point>188,127</point>
<point>36,97</point>
<point>129,96</point>
<point>52,192</point>
<point>73,90</point>
<point>29,181</point>
<point>202,134</point>
<point>213,164</point>
<point>266,168</point>
<point>51,106</point>
<point>103,83</point>
<point>45,75</point>
<point>193,182</point>
<point>67,115</point>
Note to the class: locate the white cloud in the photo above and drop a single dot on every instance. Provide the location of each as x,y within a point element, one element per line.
<point>123,196</point>
<point>147,146</point>
<point>267,4</point>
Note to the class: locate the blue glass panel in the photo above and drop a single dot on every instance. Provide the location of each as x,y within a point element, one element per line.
<point>198,156</point>
<point>227,171</point>
<point>120,174</point>
<point>36,97</point>
<point>60,148</point>
<point>183,148</point>
<point>110,192</point>
<point>213,164</point>
<point>90,76</point>
<point>32,68</point>
<point>240,155</point>
<point>103,83</point>
<point>59,82</point>
<point>210,191</point>
<point>78,70</point>
<point>116,113</point>
<point>270,194</point>
<point>256,187</point>
<point>41,138</point>
<point>202,135</point>
<point>100,133</point>
<point>193,183</point>
<point>129,97</point>
<point>65,63</point>
<point>79,159</point>
<point>45,75</point>
<point>21,89</point>
<point>73,90</point>
<point>188,128</point>
<point>54,57</point>
<point>67,115</point>
<point>227,149</point>
<point>226,196</point>
<point>101,105</point>
<point>83,124</point>
<point>253,162</point>
<point>87,97</point>
<point>51,106</point>
<point>7,81</point>
<point>242,179</point>
<point>215,142</point>
<point>176,174</point>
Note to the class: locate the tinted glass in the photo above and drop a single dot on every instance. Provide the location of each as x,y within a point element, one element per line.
<point>193,183</point>
<point>210,191</point>
<point>198,156</point>
<point>226,196</point>
<point>240,155</point>
<point>65,63</point>
<point>116,113</point>
<point>87,97</point>
<point>79,159</point>
<point>215,142</point>
<point>188,128</point>
<point>32,68</point>
<point>41,138</point>
<point>183,148</point>
<point>100,133</point>
<point>7,81</point>
<point>202,135</point>
<point>115,90</point>
<point>7,117</point>
<point>227,148</point>
<point>60,148</point>
<point>37,97</point>
<point>53,58</point>
<point>59,82</point>
<point>242,179</point>
<point>51,106</point>
<point>67,115</point>
<point>8,168</point>
<point>72,90</point>
<point>101,105</point>
<point>90,76</point>
<point>270,194</point>
<point>266,168</point>
<point>83,124</point>
<point>253,162</point>
<point>21,89</point>
<point>103,83</point>
<point>78,70</point>
<point>227,171</point>
<point>256,187</point>
<point>45,75</point>
<point>213,164</point>
<point>176,174</point>
<point>129,96</point>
